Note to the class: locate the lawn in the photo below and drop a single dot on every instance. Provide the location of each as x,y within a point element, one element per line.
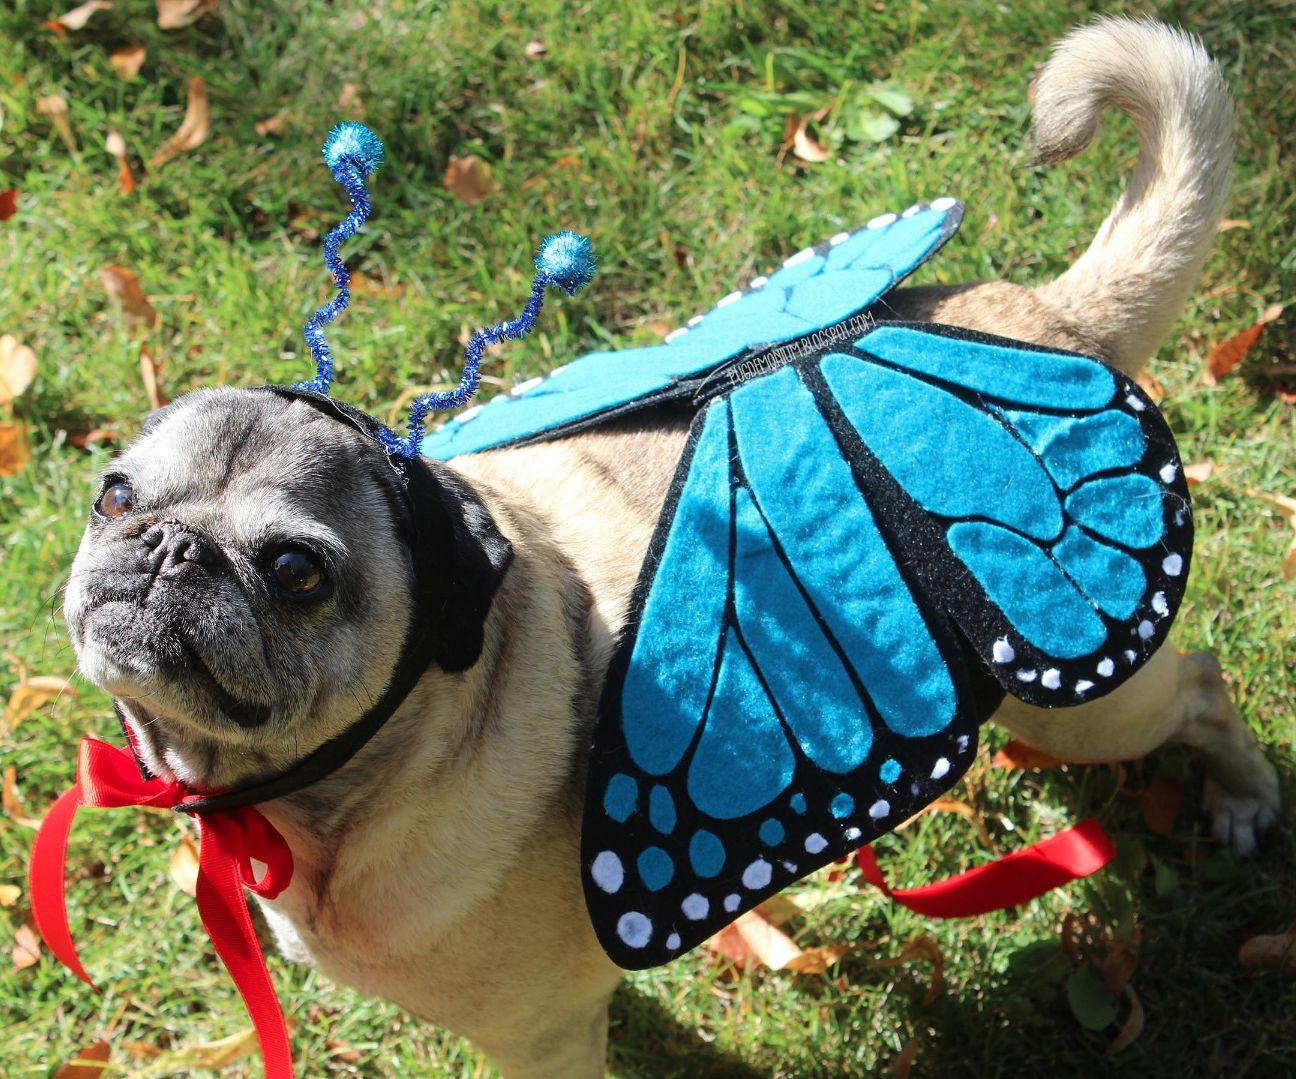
<point>642,126</point>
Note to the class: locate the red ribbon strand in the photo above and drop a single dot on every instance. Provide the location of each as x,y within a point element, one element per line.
<point>229,840</point>
<point>1006,882</point>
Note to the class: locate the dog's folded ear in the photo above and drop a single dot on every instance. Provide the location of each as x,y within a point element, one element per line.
<point>460,558</point>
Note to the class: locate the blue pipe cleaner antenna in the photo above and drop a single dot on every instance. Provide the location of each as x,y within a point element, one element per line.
<point>352,153</point>
<point>566,260</point>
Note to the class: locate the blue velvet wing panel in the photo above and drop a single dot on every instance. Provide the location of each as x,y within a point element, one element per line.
<point>788,696</point>
<point>1047,491</point>
<point>814,292</point>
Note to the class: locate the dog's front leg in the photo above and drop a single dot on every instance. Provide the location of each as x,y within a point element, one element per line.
<point>1174,698</point>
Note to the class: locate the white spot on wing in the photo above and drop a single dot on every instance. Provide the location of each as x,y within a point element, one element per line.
<point>759,282</point>
<point>725,301</point>
<point>1145,630</point>
<point>940,769</point>
<point>757,875</point>
<point>840,238</point>
<point>675,335</point>
<point>1051,679</point>
<point>1026,676</point>
<point>696,319</point>
<point>881,221</point>
<point>852,834</point>
<point>468,414</point>
<point>879,809</point>
<point>673,941</point>
<point>1083,686</point>
<point>522,387</point>
<point>1135,403</point>
<point>1169,472</point>
<point>1172,564</point>
<point>695,906</point>
<point>943,203</point>
<point>731,902</point>
<point>607,871</point>
<point>634,928</point>
<point>1160,605</point>
<point>815,843</point>
<point>799,257</point>
<point>1002,651</point>
<point>1106,667</point>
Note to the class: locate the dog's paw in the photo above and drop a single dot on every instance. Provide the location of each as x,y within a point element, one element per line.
<point>1238,817</point>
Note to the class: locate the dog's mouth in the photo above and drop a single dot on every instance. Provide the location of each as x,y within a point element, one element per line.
<point>130,651</point>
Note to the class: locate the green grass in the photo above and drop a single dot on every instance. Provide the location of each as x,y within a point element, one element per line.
<point>629,129</point>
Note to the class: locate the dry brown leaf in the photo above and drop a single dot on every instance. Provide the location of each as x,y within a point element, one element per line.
<point>79,16</point>
<point>116,146</point>
<point>1232,223</point>
<point>1132,1027</point>
<point>184,866</point>
<point>272,125</point>
<point>536,49</point>
<point>925,948</point>
<point>1225,356</point>
<point>1151,385</point>
<point>1120,961</point>
<point>140,1050</point>
<point>123,286</point>
<point>8,203</point>
<point>779,909</point>
<point>803,143</point>
<point>17,368</point>
<point>55,106</point>
<point>151,373</point>
<point>30,694</point>
<point>9,894</point>
<point>177,14</point>
<point>1017,754</point>
<point>817,960</point>
<point>469,179</point>
<point>766,941</point>
<point>193,129</point>
<point>128,60</point>
<point>89,1063</point>
<point>12,801</point>
<point>1199,472</point>
<point>1159,803</point>
<point>14,451</point>
<point>1268,951</point>
<point>26,950</point>
<point>340,1050</point>
<point>93,437</point>
<point>1286,508</point>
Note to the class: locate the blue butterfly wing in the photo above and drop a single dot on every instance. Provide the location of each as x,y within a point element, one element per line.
<point>862,550</point>
<point>815,290</point>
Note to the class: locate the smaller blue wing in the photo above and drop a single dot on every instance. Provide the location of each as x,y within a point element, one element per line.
<point>814,292</point>
<point>862,550</point>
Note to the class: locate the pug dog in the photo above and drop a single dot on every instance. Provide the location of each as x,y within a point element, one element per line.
<point>252,572</point>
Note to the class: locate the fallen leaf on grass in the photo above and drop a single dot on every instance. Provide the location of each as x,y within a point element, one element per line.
<point>535,50</point>
<point>1017,754</point>
<point>193,129</point>
<point>1159,803</point>
<point>340,1050</point>
<point>26,950</point>
<point>272,125</point>
<point>9,894</point>
<point>55,106</point>
<point>140,1050</point>
<point>14,451</point>
<point>123,287</point>
<point>1199,473</point>
<point>116,146</point>
<point>751,940</point>
<point>469,179</point>
<point>128,60</point>
<point>817,960</point>
<point>1131,1028</point>
<point>89,1063</point>
<point>1232,223</point>
<point>79,16</point>
<point>30,694</point>
<point>1225,356</point>
<point>1270,951</point>
<point>1286,508</point>
<point>12,801</point>
<point>94,437</point>
<point>17,368</point>
<point>802,143</point>
<point>213,1055</point>
<point>8,203</point>
<point>184,866</point>
<point>151,373</point>
<point>1151,385</point>
<point>177,14</point>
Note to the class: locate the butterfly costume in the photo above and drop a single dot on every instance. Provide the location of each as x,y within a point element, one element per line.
<point>876,530</point>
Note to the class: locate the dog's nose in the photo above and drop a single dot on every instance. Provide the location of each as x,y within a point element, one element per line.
<point>171,549</point>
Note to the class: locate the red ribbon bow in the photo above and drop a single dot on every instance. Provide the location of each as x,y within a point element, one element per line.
<point>107,777</point>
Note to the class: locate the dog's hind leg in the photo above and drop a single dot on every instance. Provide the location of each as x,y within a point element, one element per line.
<point>1174,698</point>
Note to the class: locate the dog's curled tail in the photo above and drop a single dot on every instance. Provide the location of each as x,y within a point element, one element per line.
<point>1126,290</point>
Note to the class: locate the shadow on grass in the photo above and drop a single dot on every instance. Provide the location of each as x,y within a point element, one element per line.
<point>647,1042</point>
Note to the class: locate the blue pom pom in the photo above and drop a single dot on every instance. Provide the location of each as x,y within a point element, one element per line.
<point>356,143</point>
<point>567,259</point>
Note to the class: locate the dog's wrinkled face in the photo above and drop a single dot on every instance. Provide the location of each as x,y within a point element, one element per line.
<point>242,586</point>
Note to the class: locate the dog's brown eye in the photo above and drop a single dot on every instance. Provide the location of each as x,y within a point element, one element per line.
<point>297,573</point>
<point>117,501</point>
